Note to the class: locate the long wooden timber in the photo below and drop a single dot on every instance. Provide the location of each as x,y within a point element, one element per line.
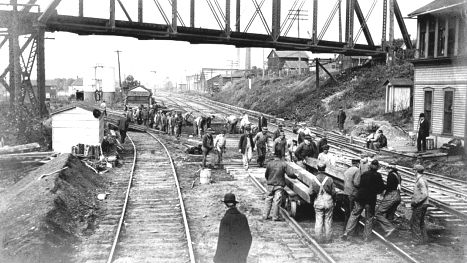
<point>147,31</point>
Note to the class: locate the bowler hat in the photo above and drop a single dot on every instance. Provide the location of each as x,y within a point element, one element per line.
<point>229,198</point>
<point>210,130</point>
<point>264,128</point>
<point>307,137</point>
<point>326,147</point>
<point>422,115</point>
<point>375,162</point>
<point>355,160</point>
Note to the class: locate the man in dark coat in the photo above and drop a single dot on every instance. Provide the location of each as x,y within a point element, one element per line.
<point>262,122</point>
<point>391,199</point>
<point>234,240</point>
<point>208,145</point>
<point>423,132</point>
<point>275,176</point>
<point>322,142</point>
<point>123,127</point>
<point>341,119</point>
<point>277,133</point>
<point>371,184</point>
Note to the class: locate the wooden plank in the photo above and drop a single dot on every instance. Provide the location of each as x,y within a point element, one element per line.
<point>299,188</point>
<point>20,148</point>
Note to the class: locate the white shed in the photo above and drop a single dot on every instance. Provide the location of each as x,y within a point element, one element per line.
<point>398,94</point>
<point>74,125</point>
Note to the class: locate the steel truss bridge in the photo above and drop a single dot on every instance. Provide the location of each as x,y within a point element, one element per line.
<point>27,19</point>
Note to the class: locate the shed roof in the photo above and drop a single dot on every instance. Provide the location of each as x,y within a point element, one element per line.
<point>438,6</point>
<point>399,82</point>
<point>295,64</point>
<point>139,90</point>
<point>77,82</point>
<point>289,54</point>
<point>48,82</point>
<point>72,106</point>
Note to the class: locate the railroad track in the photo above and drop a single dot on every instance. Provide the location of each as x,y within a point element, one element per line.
<point>447,194</point>
<point>338,251</point>
<point>147,219</point>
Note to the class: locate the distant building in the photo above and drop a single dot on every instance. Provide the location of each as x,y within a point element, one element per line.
<point>75,125</point>
<point>50,88</point>
<point>440,74</point>
<point>345,62</point>
<point>137,96</point>
<point>398,94</point>
<point>216,82</point>
<point>77,88</point>
<point>287,61</point>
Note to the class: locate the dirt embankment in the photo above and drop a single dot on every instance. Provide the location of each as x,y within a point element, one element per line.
<point>46,212</point>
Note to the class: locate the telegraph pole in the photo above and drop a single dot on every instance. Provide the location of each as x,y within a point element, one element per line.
<point>297,15</point>
<point>119,76</point>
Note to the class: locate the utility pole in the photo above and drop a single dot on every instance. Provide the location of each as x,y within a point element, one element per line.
<point>297,15</point>
<point>97,85</point>
<point>155,72</point>
<point>118,60</point>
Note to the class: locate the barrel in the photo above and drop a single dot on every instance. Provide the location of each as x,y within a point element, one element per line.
<point>205,176</point>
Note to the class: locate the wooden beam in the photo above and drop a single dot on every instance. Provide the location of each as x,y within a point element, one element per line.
<point>325,70</point>
<point>402,27</point>
<point>446,35</point>
<point>361,19</point>
<point>427,27</point>
<point>456,37</point>
<point>49,11</point>
<point>317,72</point>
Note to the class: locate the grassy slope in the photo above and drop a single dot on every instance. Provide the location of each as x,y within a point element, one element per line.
<point>297,97</point>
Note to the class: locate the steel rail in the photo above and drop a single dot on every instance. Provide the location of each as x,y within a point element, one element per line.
<point>321,253</point>
<point>386,242</point>
<point>125,204</point>
<point>180,198</point>
<point>440,204</point>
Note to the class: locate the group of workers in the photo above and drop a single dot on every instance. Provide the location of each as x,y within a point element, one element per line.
<point>362,184</point>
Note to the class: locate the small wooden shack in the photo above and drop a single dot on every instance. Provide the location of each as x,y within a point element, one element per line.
<point>399,93</point>
<point>75,125</point>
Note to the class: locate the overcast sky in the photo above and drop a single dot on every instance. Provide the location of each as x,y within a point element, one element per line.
<point>69,55</point>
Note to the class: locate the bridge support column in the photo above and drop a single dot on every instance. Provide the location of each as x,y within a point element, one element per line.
<point>227,17</point>
<point>351,23</point>
<point>317,72</point>
<point>41,71</point>
<point>192,13</point>
<point>237,14</point>
<point>315,22</point>
<point>276,19</point>
<point>174,16</point>
<point>140,11</point>
<point>14,55</point>
<point>390,55</point>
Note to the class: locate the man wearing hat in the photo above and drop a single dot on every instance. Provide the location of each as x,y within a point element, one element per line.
<point>280,145</point>
<point>261,142</point>
<point>123,127</point>
<point>277,132</point>
<point>371,184</point>
<point>341,119</point>
<point>231,122</point>
<point>275,176</point>
<point>304,150</point>
<point>245,147</point>
<point>322,142</point>
<point>423,132</point>
<point>208,145</point>
<point>234,240</point>
<point>351,183</point>
<point>322,189</point>
<point>262,122</point>
<point>391,199</point>
<point>420,200</point>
